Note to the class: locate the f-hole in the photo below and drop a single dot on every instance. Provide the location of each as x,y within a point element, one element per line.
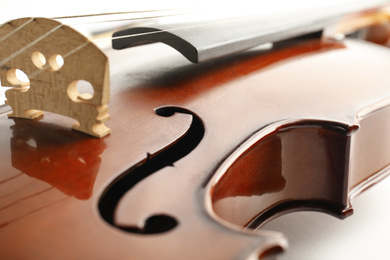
<point>158,223</point>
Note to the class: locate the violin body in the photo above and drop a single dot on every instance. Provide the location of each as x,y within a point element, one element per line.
<point>200,156</point>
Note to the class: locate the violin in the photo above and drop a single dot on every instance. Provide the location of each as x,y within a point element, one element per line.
<point>187,152</point>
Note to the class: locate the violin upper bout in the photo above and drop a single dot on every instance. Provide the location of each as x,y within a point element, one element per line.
<point>54,59</point>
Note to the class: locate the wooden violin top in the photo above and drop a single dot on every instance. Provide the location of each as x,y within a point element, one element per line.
<point>300,106</point>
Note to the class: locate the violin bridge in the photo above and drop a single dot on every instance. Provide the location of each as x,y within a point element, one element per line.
<point>44,61</point>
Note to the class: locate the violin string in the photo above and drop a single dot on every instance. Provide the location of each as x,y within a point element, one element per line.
<point>104,21</point>
<point>25,198</point>
<point>19,189</point>
<point>10,57</point>
<point>119,13</point>
<point>13,55</point>
<point>132,15</point>
<point>72,51</point>
<point>35,73</point>
<point>64,56</point>
<point>101,21</point>
<point>172,30</point>
<point>31,212</point>
<point>15,30</point>
<point>127,19</point>
<point>11,178</point>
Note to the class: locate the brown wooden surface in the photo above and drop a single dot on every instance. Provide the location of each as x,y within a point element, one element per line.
<point>52,178</point>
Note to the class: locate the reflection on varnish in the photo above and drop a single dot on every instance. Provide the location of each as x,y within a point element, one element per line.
<point>256,172</point>
<point>300,166</point>
<point>67,160</point>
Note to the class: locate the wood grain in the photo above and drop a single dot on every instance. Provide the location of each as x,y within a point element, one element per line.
<point>54,58</point>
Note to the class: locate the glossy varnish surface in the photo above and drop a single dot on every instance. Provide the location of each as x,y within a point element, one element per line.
<point>52,178</point>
